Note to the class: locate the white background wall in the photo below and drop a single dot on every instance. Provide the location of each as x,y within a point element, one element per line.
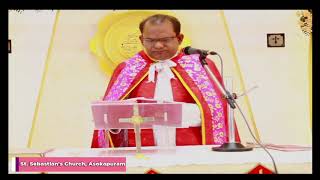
<point>30,33</point>
<point>281,102</point>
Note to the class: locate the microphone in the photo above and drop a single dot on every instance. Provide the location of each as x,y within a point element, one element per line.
<point>189,50</point>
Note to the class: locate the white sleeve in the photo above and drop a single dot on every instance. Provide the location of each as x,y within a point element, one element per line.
<point>191,116</point>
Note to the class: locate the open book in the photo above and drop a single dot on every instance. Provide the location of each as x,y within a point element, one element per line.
<point>136,100</point>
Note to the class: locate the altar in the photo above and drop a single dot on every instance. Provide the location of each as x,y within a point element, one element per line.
<point>195,159</point>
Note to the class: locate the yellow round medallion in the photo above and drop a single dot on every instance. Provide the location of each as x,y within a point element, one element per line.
<point>117,38</point>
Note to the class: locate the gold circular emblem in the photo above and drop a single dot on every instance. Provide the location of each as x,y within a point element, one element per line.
<point>117,38</point>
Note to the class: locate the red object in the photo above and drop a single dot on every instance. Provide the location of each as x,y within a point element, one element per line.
<point>152,171</point>
<point>184,136</point>
<point>259,169</point>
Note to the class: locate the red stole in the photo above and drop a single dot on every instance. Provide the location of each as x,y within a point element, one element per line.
<point>188,83</point>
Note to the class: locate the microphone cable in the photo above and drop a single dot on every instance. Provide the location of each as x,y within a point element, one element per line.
<point>245,120</point>
<point>262,146</point>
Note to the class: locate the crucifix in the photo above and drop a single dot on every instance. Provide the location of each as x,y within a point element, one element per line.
<point>136,120</point>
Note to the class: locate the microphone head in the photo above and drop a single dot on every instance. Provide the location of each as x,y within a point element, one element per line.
<point>186,50</point>
<point>189,50</point>
<point>212,53</point>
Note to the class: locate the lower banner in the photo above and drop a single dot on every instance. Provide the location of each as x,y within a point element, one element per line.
<point>69,164</point>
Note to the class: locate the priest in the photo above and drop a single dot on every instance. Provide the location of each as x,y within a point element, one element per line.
<point>160,71</point>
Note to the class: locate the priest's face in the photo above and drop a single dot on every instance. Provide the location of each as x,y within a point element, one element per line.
<point>160,41</point>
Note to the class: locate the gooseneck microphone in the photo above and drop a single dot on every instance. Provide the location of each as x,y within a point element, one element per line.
<point>189,50</point>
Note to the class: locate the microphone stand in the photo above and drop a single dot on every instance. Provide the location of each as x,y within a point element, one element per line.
<point>230,146</point>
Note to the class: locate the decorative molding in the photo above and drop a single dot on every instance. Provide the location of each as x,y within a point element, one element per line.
<point>305,21</point>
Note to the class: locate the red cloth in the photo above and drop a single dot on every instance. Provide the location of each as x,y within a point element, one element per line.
<point>184,136</point>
